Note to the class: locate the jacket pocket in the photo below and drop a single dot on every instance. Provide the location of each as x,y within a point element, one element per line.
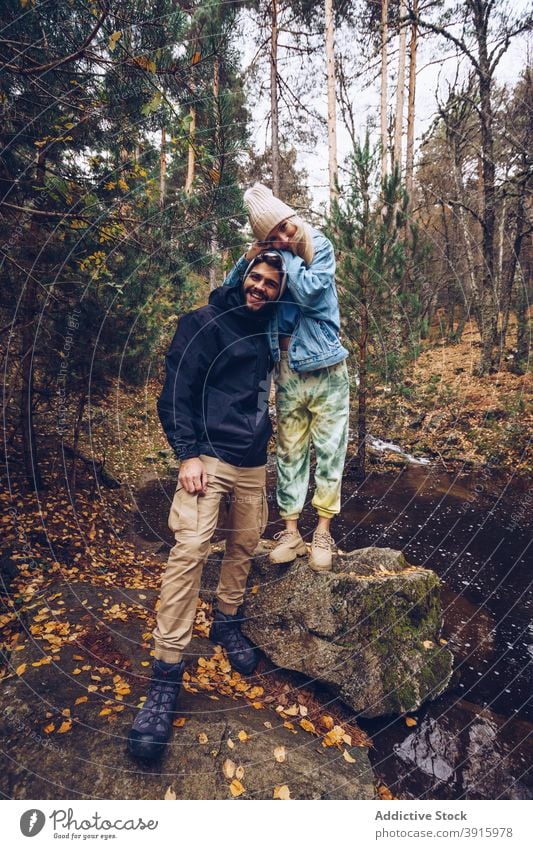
<point>183,514</point>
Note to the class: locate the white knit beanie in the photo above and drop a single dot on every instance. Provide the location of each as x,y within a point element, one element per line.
<point>264,210</point>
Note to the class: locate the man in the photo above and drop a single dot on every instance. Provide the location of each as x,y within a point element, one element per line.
<point>214,411</point>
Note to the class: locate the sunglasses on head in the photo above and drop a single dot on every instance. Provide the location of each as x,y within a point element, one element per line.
<point>271,257</point>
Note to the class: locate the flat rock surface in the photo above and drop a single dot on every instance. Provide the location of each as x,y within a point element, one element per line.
<point>65,721</point>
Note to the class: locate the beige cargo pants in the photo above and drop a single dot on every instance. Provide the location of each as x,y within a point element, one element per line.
<point>193,520</point>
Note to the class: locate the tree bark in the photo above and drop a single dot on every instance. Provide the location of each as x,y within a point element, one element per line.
<point>274,112</point>
<point>410,151</point>
<point>163,168</point>
<point>213,239</point>
<point>488,301</point>
<point>331,85</point>
<point>400,91</point>
<point>191,161</point>
<point>384,97</point>
<point>508,283</point>
<point>30,306</point>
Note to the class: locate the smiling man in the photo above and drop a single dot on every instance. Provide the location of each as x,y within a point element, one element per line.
<point>214,411</point>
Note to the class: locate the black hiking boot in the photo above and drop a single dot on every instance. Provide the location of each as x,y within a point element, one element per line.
<point>152,727</point>
<point>225,631</point>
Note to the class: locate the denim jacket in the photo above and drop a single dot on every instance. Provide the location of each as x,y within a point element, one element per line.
<point>312,293</point>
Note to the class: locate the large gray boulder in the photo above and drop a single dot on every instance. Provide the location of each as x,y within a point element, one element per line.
<point>369,629</point>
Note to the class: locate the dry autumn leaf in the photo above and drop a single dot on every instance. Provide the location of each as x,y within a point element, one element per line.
<point>169,794</point>
<point>236,788</point>
<point>228,768</point>
<point>281,791</point>
<point>65,726</point>
<point>20,670</point>
<point>81,699</point>
<point>306,725</point>
<point>243,736</point>
<point>410,721</point>
<point>239,773</point>
<point>202,738</point>
<point>280,754</point>
<point>384,792</point>
<point>347,757</point>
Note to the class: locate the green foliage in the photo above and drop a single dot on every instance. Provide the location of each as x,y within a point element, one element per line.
<point>378,250</point>
<point>98,231</point>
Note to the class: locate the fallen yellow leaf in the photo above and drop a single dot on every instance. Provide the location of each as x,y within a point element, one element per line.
<point>409,721</point>
<point>202,738</point>
<point>306,725</point>
<point>49,728</point>
<point>236,788</point>
<point>239,773</point>
<point>20,670</point>
<point>347,757</point>
<point>80,700</point>
<point>280,754</point>
<point>281,791</point>
<point>170,795</point>
<point>65,726</point>
<point>179,723</point>
<point>228,768</point>
<point>243,736</point>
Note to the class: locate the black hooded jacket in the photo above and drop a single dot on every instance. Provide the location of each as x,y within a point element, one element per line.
<point>215,397</point>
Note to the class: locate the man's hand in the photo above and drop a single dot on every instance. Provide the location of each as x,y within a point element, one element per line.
<point>193,476</point>
<point>254,249</point>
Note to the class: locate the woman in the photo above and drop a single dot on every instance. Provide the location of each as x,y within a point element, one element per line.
<point>312,398</point>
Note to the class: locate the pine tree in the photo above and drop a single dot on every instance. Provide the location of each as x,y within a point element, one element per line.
<point>376,254</point>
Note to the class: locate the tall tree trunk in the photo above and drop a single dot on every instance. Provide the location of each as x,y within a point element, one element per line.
<point>332,113</point>
<point>163,168</point>
<point>523,326</point>
<point>360,462</point>
<point>75,442</point>
<point>191,162</point>
<point>400,91</point>
<point>450,306</point>
<point>410,152</point>
<point>384,78</point>
<point>214,240</point>
<point>274,113</point>
<point>489,324</point>
<point>29,311</point>
<point>508,281</point>
<point>29,441</point>
<point>471,270</point>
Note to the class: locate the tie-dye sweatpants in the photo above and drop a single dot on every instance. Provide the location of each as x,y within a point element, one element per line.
<point>312,407</point>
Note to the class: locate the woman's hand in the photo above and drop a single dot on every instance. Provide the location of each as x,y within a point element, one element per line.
<point>256,248</point>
